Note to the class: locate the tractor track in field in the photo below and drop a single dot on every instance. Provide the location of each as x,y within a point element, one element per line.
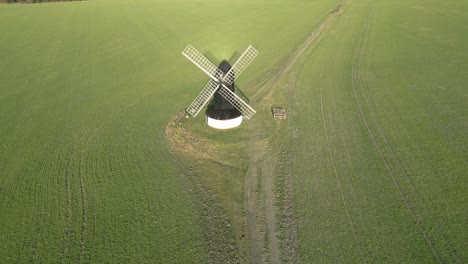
<point>291,243</point>
<point>404,171</point>
<point>69,210</point>
<point>69,174</point>
<point>250,199</point>
<point>338,181</point>
<point>83,212</point>
<point>270,211</point>
<point>437,241</point>
<point>270,251</point>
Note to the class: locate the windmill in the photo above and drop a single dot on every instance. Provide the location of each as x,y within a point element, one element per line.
<point>228,108</point>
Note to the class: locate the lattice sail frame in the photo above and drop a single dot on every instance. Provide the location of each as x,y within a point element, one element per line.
<point>218,80</point>
<point>202,62</point>
<point>202,98</point>
<point>237,102</point>
<point>240,65</point>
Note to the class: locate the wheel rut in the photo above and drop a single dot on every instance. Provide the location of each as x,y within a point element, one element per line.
<point>251,201</point>
<point>437,241</point>
<point>74,175</point>
<point>69,211</point>
<point>338,181</point>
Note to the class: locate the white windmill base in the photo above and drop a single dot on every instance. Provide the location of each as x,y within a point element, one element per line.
<point>224,124</point>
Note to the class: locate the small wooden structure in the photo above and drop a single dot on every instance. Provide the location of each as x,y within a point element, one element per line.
<point>279,113</point>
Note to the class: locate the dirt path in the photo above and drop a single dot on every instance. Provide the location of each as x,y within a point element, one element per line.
<point>295,56</point>
<point>260,204</point>
<point>256,243</point>
<point>270,210</point>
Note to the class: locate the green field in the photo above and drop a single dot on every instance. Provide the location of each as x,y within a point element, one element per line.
<point>381,103</point>
<point>370,166</point>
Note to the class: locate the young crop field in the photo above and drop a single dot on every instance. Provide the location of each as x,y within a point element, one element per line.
<point>379,136</point>
<point>98,163</point>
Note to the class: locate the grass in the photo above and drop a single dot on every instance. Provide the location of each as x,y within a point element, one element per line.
<point>87,89</point>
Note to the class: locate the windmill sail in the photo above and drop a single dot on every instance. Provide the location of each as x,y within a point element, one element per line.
<point>239,66</point>
<point>202,62</point>
<point>237,102</point>
<point>219,80</point>
<point>202,98</point>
